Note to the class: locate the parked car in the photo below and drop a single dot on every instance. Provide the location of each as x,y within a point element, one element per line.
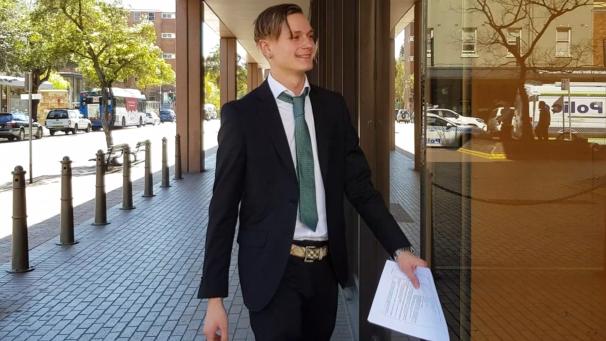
<point>67,120</point>
<point>210,112</point>
<point>15,126</point>
<point>442,132</point>
<point>151,118</point>
<point>404,115</point>
<point>167,115</point>
<point>458,118</point>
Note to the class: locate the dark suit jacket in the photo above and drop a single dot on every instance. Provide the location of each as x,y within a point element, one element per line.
<point>255,170</point>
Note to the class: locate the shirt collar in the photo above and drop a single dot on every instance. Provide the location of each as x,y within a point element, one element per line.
<point>277,88</point>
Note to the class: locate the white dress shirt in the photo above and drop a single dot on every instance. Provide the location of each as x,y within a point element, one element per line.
<point>302,232</point>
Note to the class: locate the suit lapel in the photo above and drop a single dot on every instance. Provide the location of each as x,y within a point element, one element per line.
<point>270,112</point>
<point>322,130</point>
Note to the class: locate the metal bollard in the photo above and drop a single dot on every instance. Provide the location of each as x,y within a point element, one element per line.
<point>67,209</point>
<point>148,191</point>
<point>20,243</point>
<point>127,185</point>
<point>165,181</point>
<point>178,175</point>
<point>100,200</point>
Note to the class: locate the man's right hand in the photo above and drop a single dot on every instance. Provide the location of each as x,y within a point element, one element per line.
<point>215,322</point>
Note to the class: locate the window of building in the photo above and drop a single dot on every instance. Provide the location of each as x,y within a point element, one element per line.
<point>138,16</point>
<point>168,55</point>
<point>563,37</point>
<point>514,39</point>
<point>168,35</point>
<point>168,15</point>
<point>469,42</point>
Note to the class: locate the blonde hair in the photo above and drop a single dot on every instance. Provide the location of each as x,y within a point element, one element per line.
<point>269,22</point>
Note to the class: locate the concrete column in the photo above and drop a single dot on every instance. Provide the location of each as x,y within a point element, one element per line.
<point>190,80</point>
<point>228,60</point>
<point>253,76</point>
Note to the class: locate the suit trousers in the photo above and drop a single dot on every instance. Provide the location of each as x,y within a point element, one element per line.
<point>304,306</point>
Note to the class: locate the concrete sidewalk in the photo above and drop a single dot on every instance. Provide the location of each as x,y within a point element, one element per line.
<point>136,278</point>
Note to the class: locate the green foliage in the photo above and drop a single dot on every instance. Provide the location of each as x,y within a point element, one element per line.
<point>241,79</point>
<point>400,79</point>
<point>58,82</point>
<point>11,34</point>
<point>212,70</point>
<point>212,94</point>
<point>105,48</point>
<point>212,75</point>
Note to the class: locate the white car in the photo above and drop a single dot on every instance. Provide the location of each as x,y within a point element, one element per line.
<point>151,118</point>
<point>442,132</point>
<point>67,120</point>
<point>458,118</point>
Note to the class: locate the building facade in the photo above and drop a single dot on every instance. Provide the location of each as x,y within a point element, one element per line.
<point>166,40</point>
<point>599,33</point>
<point>470,58</point>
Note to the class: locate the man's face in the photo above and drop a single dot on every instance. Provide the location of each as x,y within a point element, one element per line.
<point>293,53</point>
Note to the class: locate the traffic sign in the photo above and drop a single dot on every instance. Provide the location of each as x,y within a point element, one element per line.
<point>25,97</point>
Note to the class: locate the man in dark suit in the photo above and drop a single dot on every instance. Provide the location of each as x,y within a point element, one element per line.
<point>288,155</point>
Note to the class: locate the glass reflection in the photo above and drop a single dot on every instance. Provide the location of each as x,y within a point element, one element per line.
<point>515,146</point>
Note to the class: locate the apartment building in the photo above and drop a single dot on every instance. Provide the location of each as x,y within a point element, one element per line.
<point>468,59</point>
<point>166,28</point>
<point>599,33</point>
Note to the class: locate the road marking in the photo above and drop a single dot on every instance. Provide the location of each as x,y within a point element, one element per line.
<point>488,156</point>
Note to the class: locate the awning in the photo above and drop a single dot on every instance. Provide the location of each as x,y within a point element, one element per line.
<point>19,82</point>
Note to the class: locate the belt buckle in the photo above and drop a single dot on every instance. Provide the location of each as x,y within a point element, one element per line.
<point>309,254</point>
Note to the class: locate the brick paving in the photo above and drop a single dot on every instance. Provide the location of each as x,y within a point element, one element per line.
<point>134,279</point>
<point>137,277</point>
<point>405,192</point>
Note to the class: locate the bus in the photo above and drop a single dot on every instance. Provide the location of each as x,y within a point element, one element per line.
<point>586,116</point>
<point>130,106</point>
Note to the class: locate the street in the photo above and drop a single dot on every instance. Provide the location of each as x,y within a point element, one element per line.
<point>43,196</point>
<point>405,136</point>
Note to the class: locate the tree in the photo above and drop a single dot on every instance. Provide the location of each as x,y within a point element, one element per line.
<point>41,51</point>
<point>241,78</point>
<point>26,45</point>
<point>10,34</point>
<point>212,71</point>
<point>107,50</point>
<point>400,80</point>
<point>58,81</point>
<point>212,77</point>
<point>504,17</point>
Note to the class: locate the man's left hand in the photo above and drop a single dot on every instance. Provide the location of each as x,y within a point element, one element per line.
<point>408,263</point>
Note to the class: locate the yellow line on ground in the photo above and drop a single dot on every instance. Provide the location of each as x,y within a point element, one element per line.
<point>488,156</point>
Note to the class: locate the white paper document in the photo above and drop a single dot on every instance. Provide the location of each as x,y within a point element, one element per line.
<point>399,306</point>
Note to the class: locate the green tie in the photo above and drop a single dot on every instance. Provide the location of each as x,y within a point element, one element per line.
<point>305,161</point>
